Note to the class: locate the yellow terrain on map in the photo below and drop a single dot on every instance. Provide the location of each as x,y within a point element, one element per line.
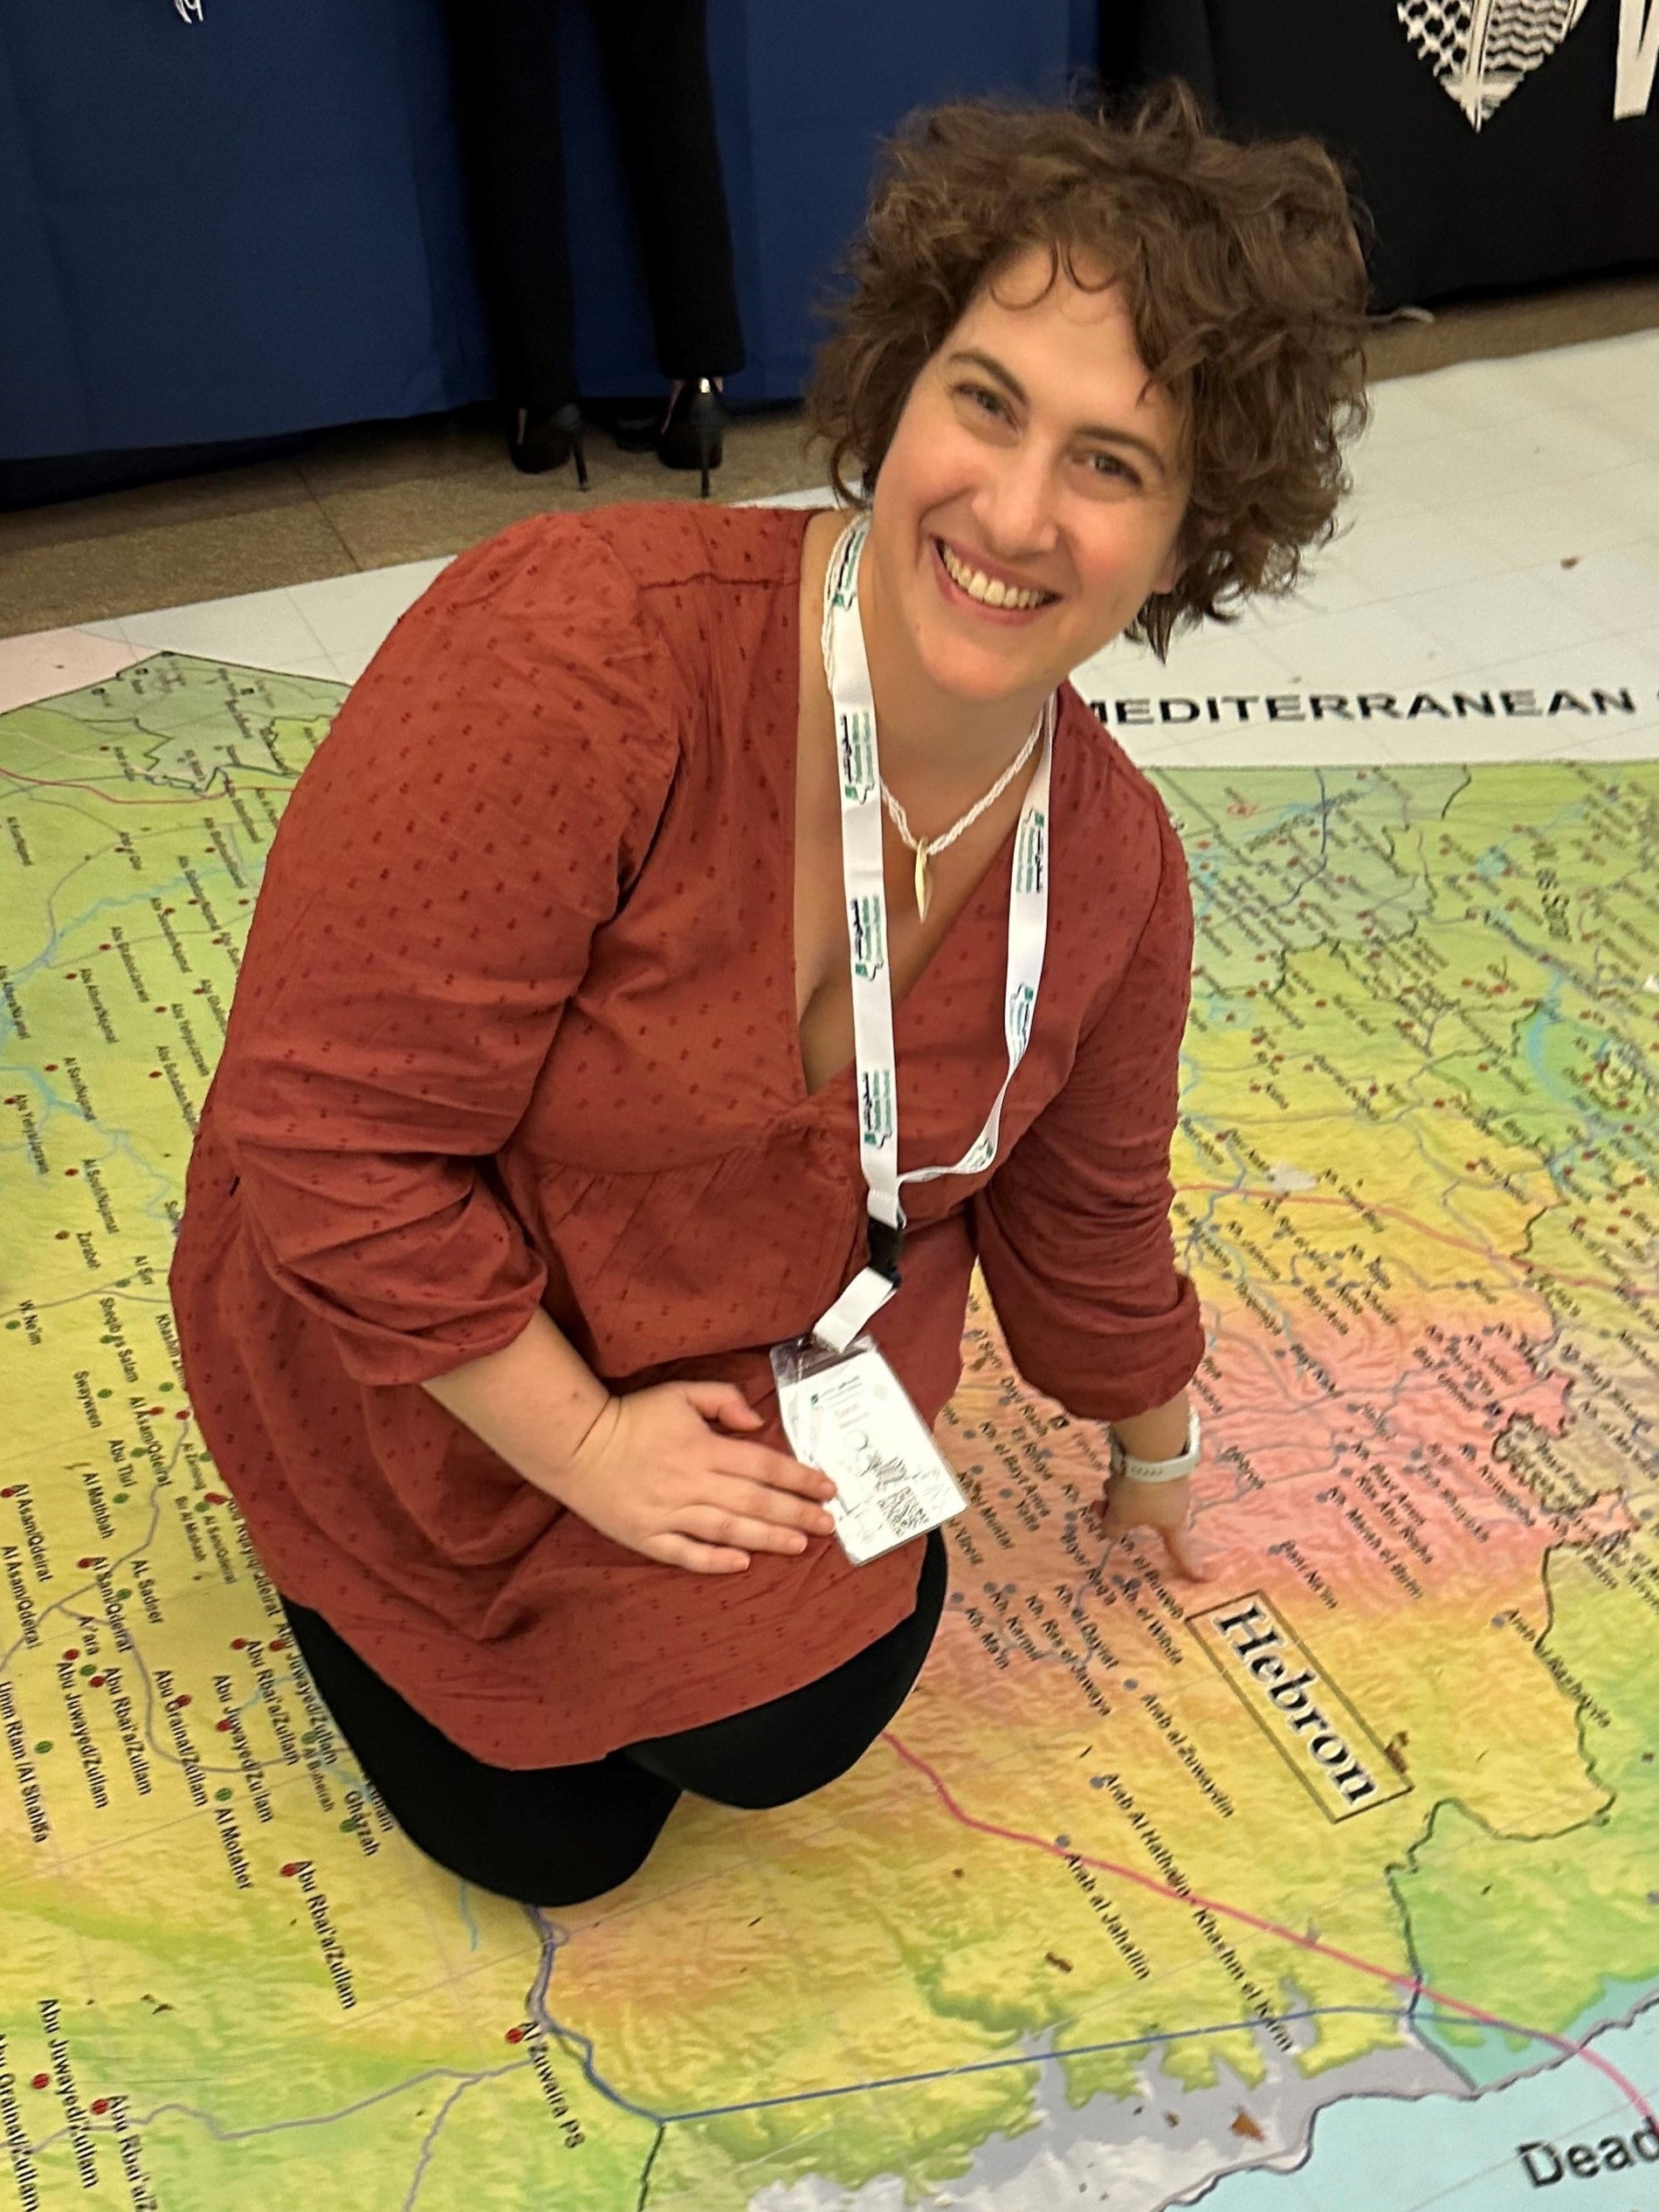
<point>1145,1876</point>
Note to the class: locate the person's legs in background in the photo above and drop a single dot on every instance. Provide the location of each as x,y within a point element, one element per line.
<point>656,59</point>
<point>505,62</point>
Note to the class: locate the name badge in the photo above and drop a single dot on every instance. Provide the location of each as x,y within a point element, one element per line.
<point>847,1413</point>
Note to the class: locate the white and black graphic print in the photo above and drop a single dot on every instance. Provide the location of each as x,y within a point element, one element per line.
<point>1480,49</point>
<point>1638,52</point>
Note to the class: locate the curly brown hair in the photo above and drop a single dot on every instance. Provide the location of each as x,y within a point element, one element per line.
<point>1241,270</point>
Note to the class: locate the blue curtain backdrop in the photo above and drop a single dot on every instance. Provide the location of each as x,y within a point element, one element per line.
<point>253,226</point>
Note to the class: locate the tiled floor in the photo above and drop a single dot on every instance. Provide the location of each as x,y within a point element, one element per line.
<point>1502,537</point>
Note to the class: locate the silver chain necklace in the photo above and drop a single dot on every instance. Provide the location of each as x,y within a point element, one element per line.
<point>925,848</point>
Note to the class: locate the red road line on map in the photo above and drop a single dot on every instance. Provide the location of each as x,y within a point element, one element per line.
<point>1271,1927</point>
<point>1437,1236</point>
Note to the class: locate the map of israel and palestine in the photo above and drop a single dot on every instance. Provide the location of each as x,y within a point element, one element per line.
<point>1332,1881</point>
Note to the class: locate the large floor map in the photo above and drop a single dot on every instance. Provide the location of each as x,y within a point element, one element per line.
<point>1335,1881</point>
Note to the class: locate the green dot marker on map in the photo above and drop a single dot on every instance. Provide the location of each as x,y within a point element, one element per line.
<point>222,1795</point>
<point>45,1744</point>
<point>120,1498</point>
<point>14,1325</point>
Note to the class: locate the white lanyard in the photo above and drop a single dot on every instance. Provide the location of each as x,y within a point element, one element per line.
<point>847,669</point>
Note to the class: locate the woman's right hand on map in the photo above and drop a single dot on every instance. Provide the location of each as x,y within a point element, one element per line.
<point>1167,1507</point>
<point>661,1471</point>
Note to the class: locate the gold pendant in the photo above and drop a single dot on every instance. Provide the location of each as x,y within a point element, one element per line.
<point>923,894</point>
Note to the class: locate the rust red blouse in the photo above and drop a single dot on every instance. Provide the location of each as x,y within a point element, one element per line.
<point>516,1024</point>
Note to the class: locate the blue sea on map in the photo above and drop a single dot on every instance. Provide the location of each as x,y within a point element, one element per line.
<point>1495,2057</point>
<point>1445,2154</point>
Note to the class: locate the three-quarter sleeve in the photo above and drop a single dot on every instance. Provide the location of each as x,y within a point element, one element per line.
<point>485,795</point>
<point>1073,1231</point>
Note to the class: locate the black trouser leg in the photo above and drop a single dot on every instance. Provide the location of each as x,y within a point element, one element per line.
<point>558,1835</point>
<point>546,1836</point>
<point>505,66</point>
<point>655,57</point>
<point>793,1745</point>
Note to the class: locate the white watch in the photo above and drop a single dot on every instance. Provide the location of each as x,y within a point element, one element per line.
<point>1124,1463</point>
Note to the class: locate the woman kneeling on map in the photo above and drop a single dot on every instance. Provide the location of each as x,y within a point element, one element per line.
<point>704,935</point>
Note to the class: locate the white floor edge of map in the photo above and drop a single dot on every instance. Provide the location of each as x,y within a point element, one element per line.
<point>1502,538</point>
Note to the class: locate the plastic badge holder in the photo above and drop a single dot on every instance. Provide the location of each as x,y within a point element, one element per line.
<point>848,1414</point>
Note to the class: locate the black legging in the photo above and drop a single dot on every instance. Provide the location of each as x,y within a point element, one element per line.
<point>507,97</point>
<point>559,1835</point>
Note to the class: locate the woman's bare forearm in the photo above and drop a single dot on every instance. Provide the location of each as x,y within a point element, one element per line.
<point>1160,1434</point>
<point>532,1402</point>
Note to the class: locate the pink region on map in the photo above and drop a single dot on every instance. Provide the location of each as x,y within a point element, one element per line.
<point>50,661</point>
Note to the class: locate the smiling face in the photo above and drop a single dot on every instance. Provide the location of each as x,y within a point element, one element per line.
<point>1032,496</point>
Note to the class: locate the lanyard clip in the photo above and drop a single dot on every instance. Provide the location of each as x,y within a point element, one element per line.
<point>886,1248</point>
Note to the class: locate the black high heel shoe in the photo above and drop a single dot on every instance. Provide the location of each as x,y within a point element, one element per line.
<point>545,437</point>
<point>692,435</point>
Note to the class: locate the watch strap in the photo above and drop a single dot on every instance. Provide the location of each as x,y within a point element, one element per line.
<point>1156,1470</point>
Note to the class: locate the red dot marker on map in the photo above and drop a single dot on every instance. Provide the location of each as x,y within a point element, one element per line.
<point>41,2081</point>
<point>238,1643</point>
<point>182,1698</point>
<point>222,1726</point>
<point>99,2104</point>
<point>292,1867</point>
<point>83,1562</point>
<point>73,1651</point>
<point>98,1682</point>
<point>515,2035</point>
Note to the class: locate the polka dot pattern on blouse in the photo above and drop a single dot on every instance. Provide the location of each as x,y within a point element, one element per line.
<point>516,1025</point>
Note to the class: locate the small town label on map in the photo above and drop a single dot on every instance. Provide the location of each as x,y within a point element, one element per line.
<point>1299,1708</point>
